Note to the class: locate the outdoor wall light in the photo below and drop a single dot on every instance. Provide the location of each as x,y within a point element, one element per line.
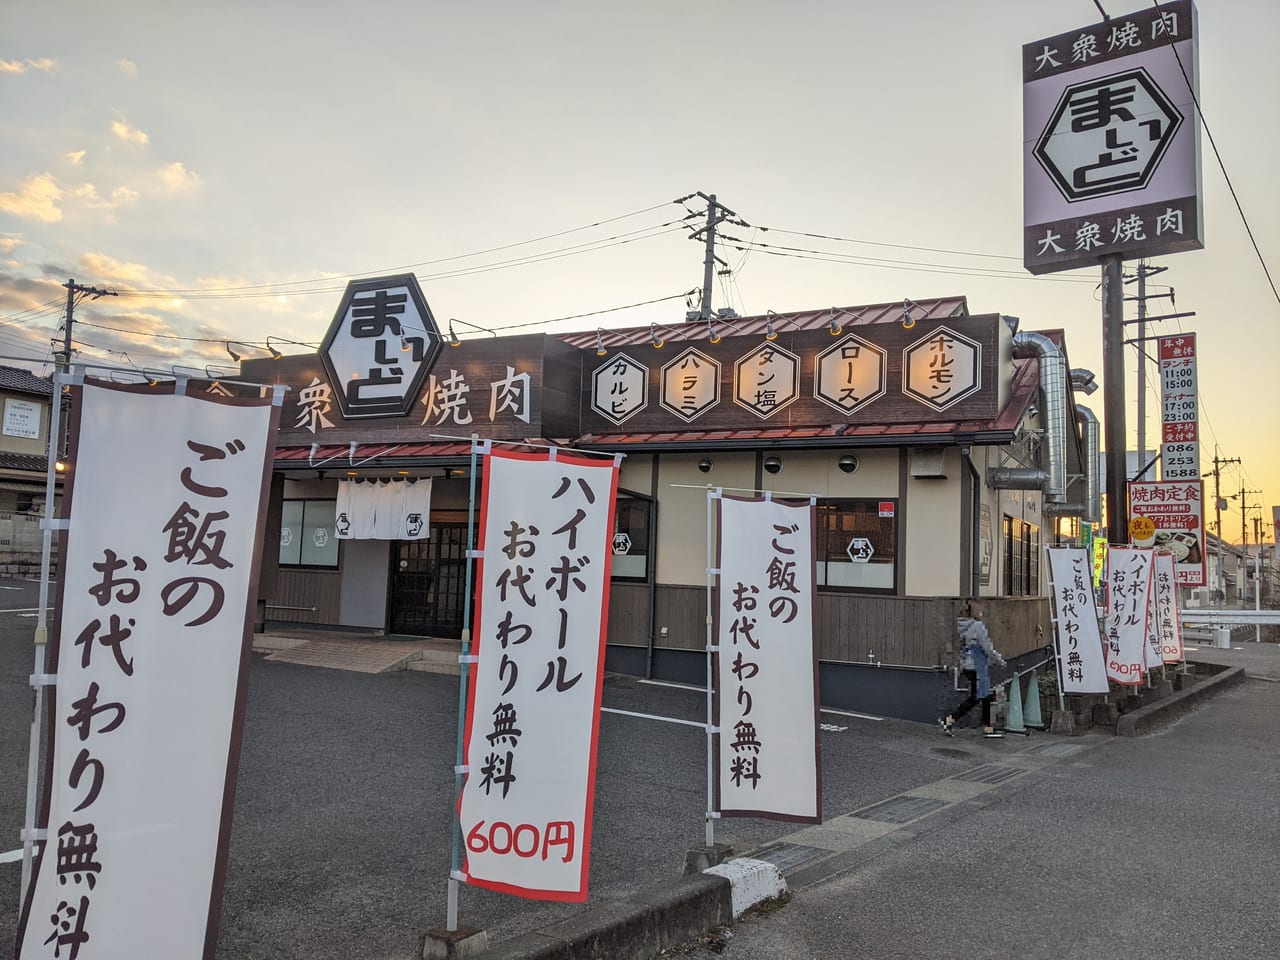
<point>711,329</point>
<point>770,333</point>
<point>908,321</point>
<point>706,464</point>
<point>59,466</point>
<point>600,349</point>
<point>453,337</point>
<point>658,342</point>
<point>848,463</point>
<point>234,356</point>
<point>772,464</point>
<point>836,329</point>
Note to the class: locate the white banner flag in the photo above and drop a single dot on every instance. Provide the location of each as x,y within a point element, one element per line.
<point>766,678</point>
<point>1167,602</point>
<point>1128,586</point>
<point>534,706</point>
<point>151,658</point>
<point>1081,666</point>
<point>1151,652</point>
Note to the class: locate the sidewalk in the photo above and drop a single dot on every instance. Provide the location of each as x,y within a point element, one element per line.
<point>361,652</point>
<point>1260,660</point>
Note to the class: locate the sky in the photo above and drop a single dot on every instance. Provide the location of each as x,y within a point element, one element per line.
<point>225,168</point>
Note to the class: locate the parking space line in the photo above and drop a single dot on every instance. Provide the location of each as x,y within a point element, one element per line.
<point>650,716</point>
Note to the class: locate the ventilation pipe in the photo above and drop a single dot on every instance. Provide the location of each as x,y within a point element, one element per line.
<point>1092,482</point>
<point>1053,390</point>
<point>1017,478</point>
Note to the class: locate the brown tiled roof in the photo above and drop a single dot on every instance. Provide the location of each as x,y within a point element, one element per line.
<point>934,309</point>
<point>23,461</point>
<point>24,381</point>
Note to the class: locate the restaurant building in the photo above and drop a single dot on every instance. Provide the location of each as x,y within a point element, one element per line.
<point>943,449</point>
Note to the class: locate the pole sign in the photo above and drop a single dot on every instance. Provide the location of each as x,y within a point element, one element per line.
<point>1175,509</point>
<point>1180,408</point>
<point>1111,143</point>
<point>765,666</point>
<point>533,710</point>
<point>151,656</point>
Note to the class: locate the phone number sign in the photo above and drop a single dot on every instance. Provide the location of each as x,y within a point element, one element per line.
<point>1180,408</point>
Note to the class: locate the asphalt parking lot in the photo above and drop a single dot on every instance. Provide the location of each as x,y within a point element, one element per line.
<point>341,843</point>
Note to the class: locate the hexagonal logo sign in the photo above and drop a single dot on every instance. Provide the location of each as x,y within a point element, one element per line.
<point>850,374</point>
<point>766,379</point>
<point>1107,135</point>
<point>621,543</point>
<point>942,368</point>
<point>690,385</point>
<point>619,388</point>
<point>380,345</point>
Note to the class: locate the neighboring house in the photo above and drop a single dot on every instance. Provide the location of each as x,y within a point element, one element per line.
<point>944,446</point>
<point>24,444</point>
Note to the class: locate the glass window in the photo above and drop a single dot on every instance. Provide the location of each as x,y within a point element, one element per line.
<point>1021,557</point>
<point>307,535</point>
<point>631,538</point>
<point>866,528</point>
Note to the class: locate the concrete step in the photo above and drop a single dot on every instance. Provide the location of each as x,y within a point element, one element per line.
<point>438,659</point>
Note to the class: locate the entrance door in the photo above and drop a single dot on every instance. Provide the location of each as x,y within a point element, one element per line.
<point>428,583</point>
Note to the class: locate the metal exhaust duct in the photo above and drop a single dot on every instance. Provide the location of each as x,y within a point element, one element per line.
<point>1092,482</point>
<point>1017,478</point>
<point>1053,391</point>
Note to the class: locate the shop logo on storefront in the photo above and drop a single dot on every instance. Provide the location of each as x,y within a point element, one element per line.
<point>380,347</point>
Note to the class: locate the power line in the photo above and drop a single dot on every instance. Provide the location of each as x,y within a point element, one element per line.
<point>1218,156</point>
<point>896,246</point>
<point>646,233</point>
<point>412,266</point>
<point>827,256</point>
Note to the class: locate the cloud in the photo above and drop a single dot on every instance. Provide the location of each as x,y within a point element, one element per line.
<point>36,199</point>
<point>127,67</point>
<point>110,270</point>
<point>88,194</point>
<point>129,134</point>
<point>176,178</point>
<point>75,157</point>
<point>8,244</point>
<point>43,65</point>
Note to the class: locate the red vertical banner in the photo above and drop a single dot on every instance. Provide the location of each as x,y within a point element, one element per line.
<point>533,707</point>
<point>1129,575</point>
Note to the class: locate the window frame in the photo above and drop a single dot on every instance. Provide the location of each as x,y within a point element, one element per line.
<point>334,567</point>
<point>651,526</point>
<point>821,553</point>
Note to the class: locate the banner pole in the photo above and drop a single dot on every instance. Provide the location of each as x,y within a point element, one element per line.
<point>41,639</point>
<point>711,830</point>
<point>451,908</point>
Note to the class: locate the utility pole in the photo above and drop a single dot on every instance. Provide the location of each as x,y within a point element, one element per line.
<point>1115,434</point>
<point>1144,271</point>
<point>75,293</point>
<point>1217,506</point>
<point>716,213</point>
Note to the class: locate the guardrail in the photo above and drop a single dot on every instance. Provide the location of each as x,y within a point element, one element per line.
<point>1202,616</point>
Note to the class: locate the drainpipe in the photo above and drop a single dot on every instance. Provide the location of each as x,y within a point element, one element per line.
<point>975,525</point>
<point>1053,391</point>
<point>1092,482</point>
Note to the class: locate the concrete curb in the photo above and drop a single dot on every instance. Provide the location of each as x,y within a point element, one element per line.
<point>1153,716</point>
<point>637,928</point>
